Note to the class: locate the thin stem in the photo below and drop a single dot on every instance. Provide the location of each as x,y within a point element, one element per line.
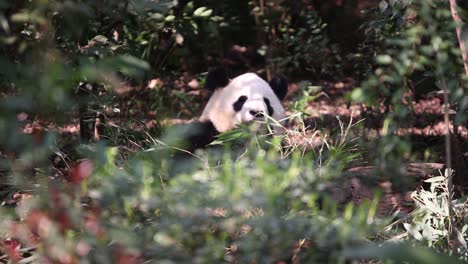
<point>448,159</point>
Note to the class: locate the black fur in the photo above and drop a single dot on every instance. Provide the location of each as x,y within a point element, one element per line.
<point>199,135</point>
<point>279,84</point>
<point>257,114</point>
<point>239,103</point>
<point>270,109</point>
<point>216,78</point>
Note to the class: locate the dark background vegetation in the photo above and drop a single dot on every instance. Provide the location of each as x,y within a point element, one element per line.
<point>93,95</point>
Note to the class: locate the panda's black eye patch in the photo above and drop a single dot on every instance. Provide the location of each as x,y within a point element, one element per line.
<point>239,103</point>
<point>269,108</point>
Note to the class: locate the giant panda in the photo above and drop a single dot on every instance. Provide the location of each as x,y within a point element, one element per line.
<point>244,99</point>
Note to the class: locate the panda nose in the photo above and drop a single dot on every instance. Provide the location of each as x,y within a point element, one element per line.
<point>257,114</point>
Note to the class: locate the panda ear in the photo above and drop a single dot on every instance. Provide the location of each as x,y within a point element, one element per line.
<point>216,78</point>
<point>279,85</point>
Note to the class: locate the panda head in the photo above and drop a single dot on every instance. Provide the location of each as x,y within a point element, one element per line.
<point>243,99</point>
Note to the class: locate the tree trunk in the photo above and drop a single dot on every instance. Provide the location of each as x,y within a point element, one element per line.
<point>459,10</point>
<point>456,7</point>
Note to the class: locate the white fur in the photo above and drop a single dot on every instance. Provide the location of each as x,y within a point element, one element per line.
<point>220,111</point>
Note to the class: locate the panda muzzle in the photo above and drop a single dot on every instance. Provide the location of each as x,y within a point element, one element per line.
<point>257,114</point>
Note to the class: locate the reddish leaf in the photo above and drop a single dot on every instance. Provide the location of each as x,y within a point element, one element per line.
<point>92,225</point>
<point>124,257</point>
<point>35,220</point>
<point>61,217</point>
<point>12,247</point>
<point>59,212</point>
<point>81,171</point>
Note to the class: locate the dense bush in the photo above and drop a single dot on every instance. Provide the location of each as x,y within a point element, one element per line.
<point>418,56</point>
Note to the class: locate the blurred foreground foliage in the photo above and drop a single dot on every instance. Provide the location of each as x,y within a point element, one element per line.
<point>263,200</point>
<point>248,205</point>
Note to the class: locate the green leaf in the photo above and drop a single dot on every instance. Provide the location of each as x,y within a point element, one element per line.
<point>199,11</point>
<point>263,50</point>
<point>170,18</point>
<point>126,64</point>
<point>28,17</point>
<point>435,179</point>
<point>383,6</point>
<point>413,231</point>
<point>357,95</point>
<point>384,59</point>
<point>4,23</point>
<point>207,13</point>
<point>217,18</point>
<point>100,39</point>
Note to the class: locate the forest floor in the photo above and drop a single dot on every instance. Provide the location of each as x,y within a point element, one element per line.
<point>425,130</point>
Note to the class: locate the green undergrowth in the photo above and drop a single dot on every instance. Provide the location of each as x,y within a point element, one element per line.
<point>247,198</point>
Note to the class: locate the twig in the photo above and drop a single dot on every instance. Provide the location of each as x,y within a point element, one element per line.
<point>448,159</point>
